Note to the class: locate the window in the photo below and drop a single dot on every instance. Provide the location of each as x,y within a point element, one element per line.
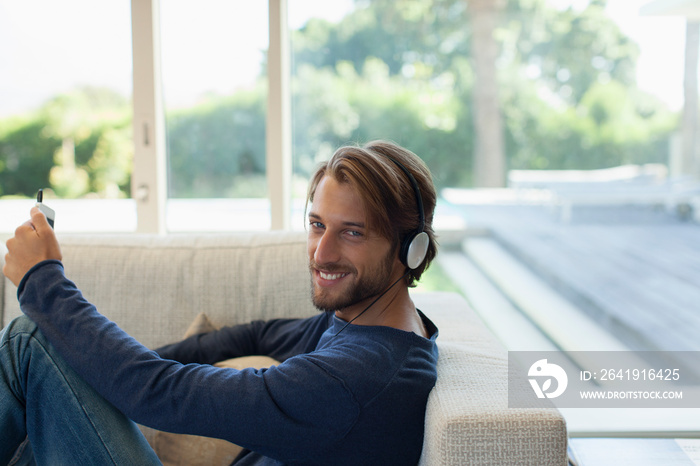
<point>65,111</point>
<point>214,87</point>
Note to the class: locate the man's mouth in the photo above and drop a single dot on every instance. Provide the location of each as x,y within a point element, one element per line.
<point>331,276</point>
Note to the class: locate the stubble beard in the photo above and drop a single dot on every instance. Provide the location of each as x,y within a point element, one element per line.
<point>372,284</point>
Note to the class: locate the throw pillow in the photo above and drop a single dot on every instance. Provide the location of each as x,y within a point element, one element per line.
<point>193,450</point>
<point>200,324</point>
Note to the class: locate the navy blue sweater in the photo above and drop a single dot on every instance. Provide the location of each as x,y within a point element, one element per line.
<point>354,397</point>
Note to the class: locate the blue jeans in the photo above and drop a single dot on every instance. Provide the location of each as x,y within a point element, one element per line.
<point>64,419</point>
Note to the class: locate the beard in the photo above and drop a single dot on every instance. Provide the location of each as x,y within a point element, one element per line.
<point>375,281</point>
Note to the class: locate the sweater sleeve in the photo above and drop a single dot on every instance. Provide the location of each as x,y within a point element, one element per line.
<point>280,339</point>
<point>288,412</point>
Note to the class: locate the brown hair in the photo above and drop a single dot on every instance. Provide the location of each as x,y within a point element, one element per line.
<point>386,191</point>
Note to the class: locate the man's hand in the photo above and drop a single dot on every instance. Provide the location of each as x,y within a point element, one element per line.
<point>34,242</point>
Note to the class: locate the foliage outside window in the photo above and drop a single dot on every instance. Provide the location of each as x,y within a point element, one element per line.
<point>394,69</point>
<point>403,69</point>
<point>78,143</point>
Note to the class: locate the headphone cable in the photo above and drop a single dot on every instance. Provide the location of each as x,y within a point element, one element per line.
<point>373,302</point>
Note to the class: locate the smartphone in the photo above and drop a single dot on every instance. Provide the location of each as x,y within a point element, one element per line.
<point>48,211</point>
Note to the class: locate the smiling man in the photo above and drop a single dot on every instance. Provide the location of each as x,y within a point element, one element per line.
<point>352,384</point>
<point>354,251</point>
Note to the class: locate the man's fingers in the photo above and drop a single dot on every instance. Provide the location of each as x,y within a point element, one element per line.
<point>38,218</point>
<point>28,225</point>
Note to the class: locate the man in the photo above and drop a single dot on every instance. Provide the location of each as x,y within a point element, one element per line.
<point>352,383</point>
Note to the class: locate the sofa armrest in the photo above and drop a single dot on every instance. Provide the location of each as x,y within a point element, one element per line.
<point>468,421</point>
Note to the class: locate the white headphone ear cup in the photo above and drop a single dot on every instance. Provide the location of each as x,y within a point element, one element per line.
<point>417,250</point>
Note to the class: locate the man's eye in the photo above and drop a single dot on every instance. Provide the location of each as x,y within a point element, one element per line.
<point>354,233</point>
<point>316,224</point>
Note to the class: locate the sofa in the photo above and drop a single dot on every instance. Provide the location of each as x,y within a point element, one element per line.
<point>158,287</point>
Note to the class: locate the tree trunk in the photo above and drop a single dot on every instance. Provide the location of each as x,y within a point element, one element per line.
<point>489,156</point>
<point>690,164</point>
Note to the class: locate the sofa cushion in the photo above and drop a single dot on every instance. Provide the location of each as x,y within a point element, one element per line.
<point>192,450</point>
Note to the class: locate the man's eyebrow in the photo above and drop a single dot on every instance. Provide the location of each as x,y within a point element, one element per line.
<point>354,224</point>
<point>314,216</point>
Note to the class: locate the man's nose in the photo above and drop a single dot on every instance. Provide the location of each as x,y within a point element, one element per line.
<point>327,250</point>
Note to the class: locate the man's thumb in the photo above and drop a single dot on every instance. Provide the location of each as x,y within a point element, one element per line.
<point>39,219</point>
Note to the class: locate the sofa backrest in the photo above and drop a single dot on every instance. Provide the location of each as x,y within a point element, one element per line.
<point>154,286</point>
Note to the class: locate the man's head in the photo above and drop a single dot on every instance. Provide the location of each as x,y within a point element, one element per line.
<point>383,202</point>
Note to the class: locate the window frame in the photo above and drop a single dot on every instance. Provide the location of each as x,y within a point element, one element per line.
<point>149,178</point>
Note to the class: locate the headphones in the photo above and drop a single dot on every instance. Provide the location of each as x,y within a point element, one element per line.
<point>415,246</point>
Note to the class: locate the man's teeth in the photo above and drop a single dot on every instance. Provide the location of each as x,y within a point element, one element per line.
<point>331,276</point>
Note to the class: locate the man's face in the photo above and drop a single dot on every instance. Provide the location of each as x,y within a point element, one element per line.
<point>349,264</point>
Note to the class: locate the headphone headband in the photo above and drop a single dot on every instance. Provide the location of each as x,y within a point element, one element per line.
<point>416,191</point>
<point>415,247</point>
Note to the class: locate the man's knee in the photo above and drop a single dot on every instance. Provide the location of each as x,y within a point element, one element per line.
<point>21,324</point>
<point>19,335</point>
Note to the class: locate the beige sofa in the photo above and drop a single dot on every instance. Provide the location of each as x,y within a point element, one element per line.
<point>155,286</point>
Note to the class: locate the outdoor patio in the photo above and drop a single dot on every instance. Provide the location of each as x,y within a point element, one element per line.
<point>608,277</point>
